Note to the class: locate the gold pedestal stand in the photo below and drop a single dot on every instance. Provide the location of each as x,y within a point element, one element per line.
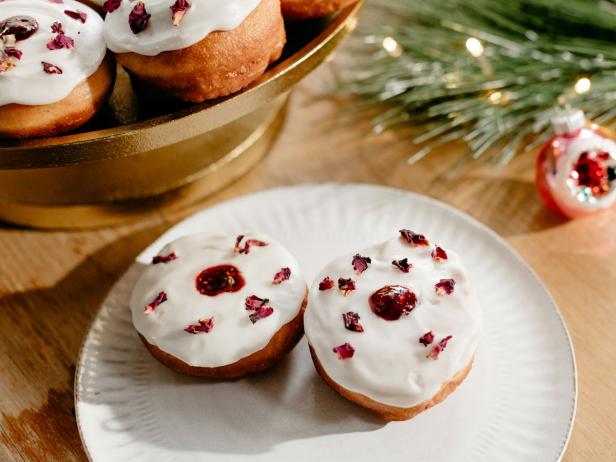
<point>137,159</point>
<point>106,193</point>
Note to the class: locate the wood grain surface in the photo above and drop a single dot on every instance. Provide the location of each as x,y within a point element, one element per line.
<point>51,283</point>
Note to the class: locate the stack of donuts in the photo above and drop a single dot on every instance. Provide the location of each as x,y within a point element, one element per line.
<point>57,65</point>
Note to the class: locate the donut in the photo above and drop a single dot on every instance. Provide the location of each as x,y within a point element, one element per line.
<point>195,51</point>
<point>220,306</point>
<point>54,70</point>
<point>394,327</point>
<point>308,9</point>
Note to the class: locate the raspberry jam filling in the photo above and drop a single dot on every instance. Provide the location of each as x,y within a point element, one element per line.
<point>219,279</point>
<point>22,27</point>
<point>393,302</point>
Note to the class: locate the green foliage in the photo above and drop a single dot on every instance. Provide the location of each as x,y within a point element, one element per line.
<point>534,53</point>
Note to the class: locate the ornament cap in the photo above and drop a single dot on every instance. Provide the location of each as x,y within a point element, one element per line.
<point>568,121</point>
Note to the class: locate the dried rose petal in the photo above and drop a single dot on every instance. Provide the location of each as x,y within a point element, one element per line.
<point>254,303</point>
<point>260,313</point>
<point>22,27</point>
<point>416,240</point>
<point>351,321</point>
<point>249,243</point>
<point>326,284</point>
<point>164,258</point>
<point>403,265</point>
<point>344,351</point>
<point>439,255</point>
<point>282,275</point>
<point>139,18</point>
<point>77,15</point>
<point>259,308</point>
<point>346,285</point>
<point>204,326</point>
<point>160,298</point>
<point>178,10</point>
<point>51,68</point>
<point>393,302</point>
<point>56,28</point>
<point>438,349</point>
<point>427,338</point>
<point>61,41</point>
<point>238,241</point>
<point>445,286</point>
<point>360,264</point>
<point>13,52</point>
<point>111,5</point>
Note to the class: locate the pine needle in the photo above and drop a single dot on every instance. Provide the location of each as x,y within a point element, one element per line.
<point>413,62</point>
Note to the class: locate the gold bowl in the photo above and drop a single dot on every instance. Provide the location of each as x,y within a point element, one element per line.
<point>136,158</point>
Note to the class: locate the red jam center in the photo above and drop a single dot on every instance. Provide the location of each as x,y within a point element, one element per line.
<point>219,279</point>
<point>22,27</point>
<point>393,302</point>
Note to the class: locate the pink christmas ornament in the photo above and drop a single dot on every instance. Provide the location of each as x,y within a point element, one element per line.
<point>576,168</point>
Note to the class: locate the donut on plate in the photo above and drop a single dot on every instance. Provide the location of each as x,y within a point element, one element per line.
<point>54,73</point>
<point>195,50</point>
<point>395,327</point>
<point>220,306</point>
<point>308,9</point>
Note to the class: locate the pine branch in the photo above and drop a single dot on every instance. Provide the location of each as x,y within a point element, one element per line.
<point>411,60</point>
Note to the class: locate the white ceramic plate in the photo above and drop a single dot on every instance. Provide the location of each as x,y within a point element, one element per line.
<point>518,403</point>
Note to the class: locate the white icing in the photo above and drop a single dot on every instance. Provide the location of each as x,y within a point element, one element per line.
<point>203,17</point>
<point>587,140</point>
<point>390,365</point>
<point>27,83</point>
<point>233,336</point>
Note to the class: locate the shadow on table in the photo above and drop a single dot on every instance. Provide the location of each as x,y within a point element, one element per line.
<point>43,329</point>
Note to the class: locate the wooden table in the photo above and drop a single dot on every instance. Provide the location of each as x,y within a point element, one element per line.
<point>51,283</point>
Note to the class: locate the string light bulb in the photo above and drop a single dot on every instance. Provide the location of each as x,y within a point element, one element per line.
<point>582,86</point>
<point>474,47</point>
<point>392,47</point>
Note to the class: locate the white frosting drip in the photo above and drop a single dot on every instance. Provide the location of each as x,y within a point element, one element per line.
<point>390,365</point>
<point>233,336</point>
<point>587,140</point>
<point>27,83</point>
<point>204,17</point>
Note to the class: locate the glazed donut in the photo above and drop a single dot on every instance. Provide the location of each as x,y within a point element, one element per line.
<point>308,9</point>
<point>196,50</point>
<point>54,73</point>
<point>395,327</point>
<point>220,306</point>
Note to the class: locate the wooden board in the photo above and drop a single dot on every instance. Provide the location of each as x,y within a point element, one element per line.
<point>51,283</point>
